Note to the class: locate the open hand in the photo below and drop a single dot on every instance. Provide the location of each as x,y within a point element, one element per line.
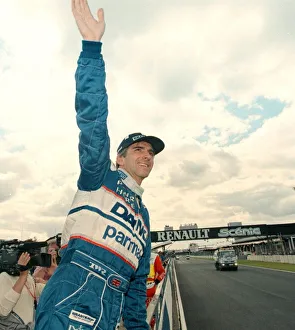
<point>23,261</point>
<point>90,28</point>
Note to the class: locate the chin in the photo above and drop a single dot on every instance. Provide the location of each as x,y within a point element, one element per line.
<point>145,174</point>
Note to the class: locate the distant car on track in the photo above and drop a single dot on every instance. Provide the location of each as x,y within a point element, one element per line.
<point>226,259</point>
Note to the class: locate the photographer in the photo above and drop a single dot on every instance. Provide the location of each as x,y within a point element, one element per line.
<point>18,297</point>
<point>43,274</point>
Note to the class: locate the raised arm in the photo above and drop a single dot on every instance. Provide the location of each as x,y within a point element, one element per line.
<point>10,294</point>
<point>91,99</point>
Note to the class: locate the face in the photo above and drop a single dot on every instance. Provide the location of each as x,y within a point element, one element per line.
<point>52,249</point>
<point>139,160</point>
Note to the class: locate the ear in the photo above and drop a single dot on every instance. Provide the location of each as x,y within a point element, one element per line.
<point>120,160</point>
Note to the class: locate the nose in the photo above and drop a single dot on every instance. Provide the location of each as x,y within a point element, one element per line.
<point>147,155</point>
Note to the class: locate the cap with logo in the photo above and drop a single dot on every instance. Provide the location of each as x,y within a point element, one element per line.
<point>156,143</point>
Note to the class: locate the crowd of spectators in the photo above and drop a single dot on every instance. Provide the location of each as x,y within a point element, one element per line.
<point>20,292</point>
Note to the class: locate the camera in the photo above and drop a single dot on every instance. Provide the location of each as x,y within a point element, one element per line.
<point>56,240</point>
<point>10,252</point>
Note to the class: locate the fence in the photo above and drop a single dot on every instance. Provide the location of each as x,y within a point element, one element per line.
<point>166,306</point>
<point>166,310</point>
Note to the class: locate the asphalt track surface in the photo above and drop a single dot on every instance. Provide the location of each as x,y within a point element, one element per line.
<point>250,298</point>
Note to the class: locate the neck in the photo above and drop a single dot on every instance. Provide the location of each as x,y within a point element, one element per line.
<point>130,181</point>
<point>136,178</point>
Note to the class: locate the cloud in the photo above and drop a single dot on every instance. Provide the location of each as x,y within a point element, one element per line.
<point>204,170</point>
<point>59,207</point>
<point>8,186</point>
<point>12,172</point>
<point>269,199</point>
<point>12,163</point>
<point>214,80</point>
<point>250,117</point>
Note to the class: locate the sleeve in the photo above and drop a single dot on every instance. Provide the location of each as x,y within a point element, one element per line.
<point>160,270</point>
<point>134,314</point>
<point>91,105</point>
<point>8,297</point>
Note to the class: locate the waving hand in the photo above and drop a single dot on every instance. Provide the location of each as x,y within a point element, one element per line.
<point>90,28</point>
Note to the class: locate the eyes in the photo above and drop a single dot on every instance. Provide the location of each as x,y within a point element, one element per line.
<point>140,149</point>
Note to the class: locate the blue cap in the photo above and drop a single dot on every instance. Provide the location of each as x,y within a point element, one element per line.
<point>156,143</point>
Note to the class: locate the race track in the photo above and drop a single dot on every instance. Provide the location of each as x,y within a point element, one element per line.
<point>250,298</point>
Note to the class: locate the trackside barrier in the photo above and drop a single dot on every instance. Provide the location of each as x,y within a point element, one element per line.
<point>180,311</point>
<point>165,309</point>
<point>160,309</point>
<point>166,306</point>
<point>287,259</point>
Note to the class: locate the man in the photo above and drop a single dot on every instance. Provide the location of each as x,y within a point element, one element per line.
<point>106,238</point>
<point>162,257</point>
<point>156,275</point>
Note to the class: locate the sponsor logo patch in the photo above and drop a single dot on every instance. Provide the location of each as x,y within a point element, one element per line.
<point>122,175</point>
<point>97,268</point>
<point>82,318</point>
<point>116,282</point>
<point>137,137</point>
<point>124,240</point>
<point>136,223</point>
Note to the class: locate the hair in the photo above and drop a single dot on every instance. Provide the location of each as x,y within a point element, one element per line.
<point>122,153</point>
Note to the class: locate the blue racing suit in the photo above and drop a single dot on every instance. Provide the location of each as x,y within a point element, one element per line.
<point>106,237</point>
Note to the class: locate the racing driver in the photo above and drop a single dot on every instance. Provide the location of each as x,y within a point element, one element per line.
<point>106,237</point>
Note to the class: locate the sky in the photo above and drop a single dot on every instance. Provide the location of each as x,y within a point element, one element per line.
<point>213,79</point>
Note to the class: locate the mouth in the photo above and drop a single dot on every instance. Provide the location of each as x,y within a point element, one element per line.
<point>143,165</point>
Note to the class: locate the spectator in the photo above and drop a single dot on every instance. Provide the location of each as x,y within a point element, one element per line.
<point>18,297</point>
<point>163,258</point>
<point>43,274</point>
<point>156,275</point>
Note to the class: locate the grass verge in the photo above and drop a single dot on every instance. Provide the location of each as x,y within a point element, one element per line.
<point>272,265</point>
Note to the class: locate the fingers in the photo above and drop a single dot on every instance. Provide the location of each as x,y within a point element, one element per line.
<point>53,260</point>
<point>85,7</point>
<point>24,259</point>
<point>76,6</point>
<point>81,7</point>
<point>52,252</point>
<point>89,27</point>
<point>100,15</point>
